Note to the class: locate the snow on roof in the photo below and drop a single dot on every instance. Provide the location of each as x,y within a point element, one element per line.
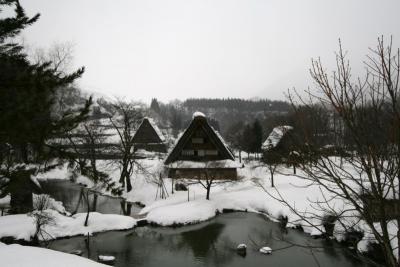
<point>214,164</point>
<point>155,127</point>
<point>198,114</point>
<point>180,134</point>
<point>223,142</point>
<point>275,136</point>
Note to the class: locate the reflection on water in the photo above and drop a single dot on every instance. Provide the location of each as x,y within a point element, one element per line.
<point>210,243</point>
<point>75,199</point>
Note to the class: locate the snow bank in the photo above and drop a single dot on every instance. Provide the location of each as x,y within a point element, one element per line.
<point>177,210</point>
<point>22,226</point>
<point>26,256</point>
<point>51,203</point>
<point>62,173</point>
<point>5,201</point>
<point>183,213</point>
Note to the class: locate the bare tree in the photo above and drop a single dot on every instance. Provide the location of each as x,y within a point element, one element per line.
<point>210,176</point>
<point>368,181</point>
<point>125,121</point>
<point>86,146</point>
<point>60,55</point>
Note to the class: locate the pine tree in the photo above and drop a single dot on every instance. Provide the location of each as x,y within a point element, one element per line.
<point>28,92</point>
<point>155,106</point>
<point>257,137</point>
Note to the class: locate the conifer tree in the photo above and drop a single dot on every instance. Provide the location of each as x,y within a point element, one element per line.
<point>27,120</point>
<point>257,137</point>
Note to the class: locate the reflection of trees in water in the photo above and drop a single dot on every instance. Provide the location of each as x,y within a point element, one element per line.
<point>204,243</point>
<point>74,198</point>
<point>207,244</point>
<point>126,208</point>
<point>86,199</point>
<point>204,239</point>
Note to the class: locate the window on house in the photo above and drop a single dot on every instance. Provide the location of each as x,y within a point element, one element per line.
<point>212,152</point>
<point>187,152</point>
<point>197,140</point>
<point>200,153</point>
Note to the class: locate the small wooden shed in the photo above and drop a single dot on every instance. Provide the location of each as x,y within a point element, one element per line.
<point>149,137</point>
<point>201,153</point>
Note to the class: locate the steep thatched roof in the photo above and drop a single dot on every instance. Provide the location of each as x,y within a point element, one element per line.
<point>148,132</point>
<point>200,122</point>
<point>276,136</point>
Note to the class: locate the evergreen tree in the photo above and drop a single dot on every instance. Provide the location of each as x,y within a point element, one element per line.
<point>257,139</point>
<point>247,138</point>
<point>28,93</point>
<point>176,120</point>
<point>155,106</point>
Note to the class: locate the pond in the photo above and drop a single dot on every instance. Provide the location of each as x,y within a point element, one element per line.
<point>211,243</point>
<point>70,194</point>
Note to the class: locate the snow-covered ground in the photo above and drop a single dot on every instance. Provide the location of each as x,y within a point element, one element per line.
<point>22,226</point>
<point>245,195</point>
<point>26,256</point>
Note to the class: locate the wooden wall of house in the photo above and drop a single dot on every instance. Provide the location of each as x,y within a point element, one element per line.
<point>202,174</point>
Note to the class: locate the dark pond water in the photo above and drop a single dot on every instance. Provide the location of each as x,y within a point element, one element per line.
<point>210,243</point>
<point>74,201</point>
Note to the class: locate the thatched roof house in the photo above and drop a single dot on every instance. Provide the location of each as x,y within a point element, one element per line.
<point>149,137</point>
<point>201,153</point>
<point>278,142</point>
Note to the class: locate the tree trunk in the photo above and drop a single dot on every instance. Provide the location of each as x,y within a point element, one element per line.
<point>272,179</point>
<point>88,209</point>
<point>208,192</point>
<point>208,184</point>
<point>94,205</point>
<point>21,192</point>
<point>128,184</point>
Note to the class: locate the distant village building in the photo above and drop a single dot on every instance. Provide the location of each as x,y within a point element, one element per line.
<point>201,153</point>
<point>278,142</point>
<point>149,137</point>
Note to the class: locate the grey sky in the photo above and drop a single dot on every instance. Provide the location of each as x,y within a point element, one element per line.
<point>208,48</point>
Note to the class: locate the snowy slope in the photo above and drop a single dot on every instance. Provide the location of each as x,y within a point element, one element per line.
<point>26,256</point>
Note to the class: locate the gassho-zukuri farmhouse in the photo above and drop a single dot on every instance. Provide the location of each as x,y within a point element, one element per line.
<point>201,153</point>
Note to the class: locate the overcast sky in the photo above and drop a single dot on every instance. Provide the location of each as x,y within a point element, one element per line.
<point>208,48</point>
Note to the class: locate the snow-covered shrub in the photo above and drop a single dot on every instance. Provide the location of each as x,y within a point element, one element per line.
<point>41,216</point>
